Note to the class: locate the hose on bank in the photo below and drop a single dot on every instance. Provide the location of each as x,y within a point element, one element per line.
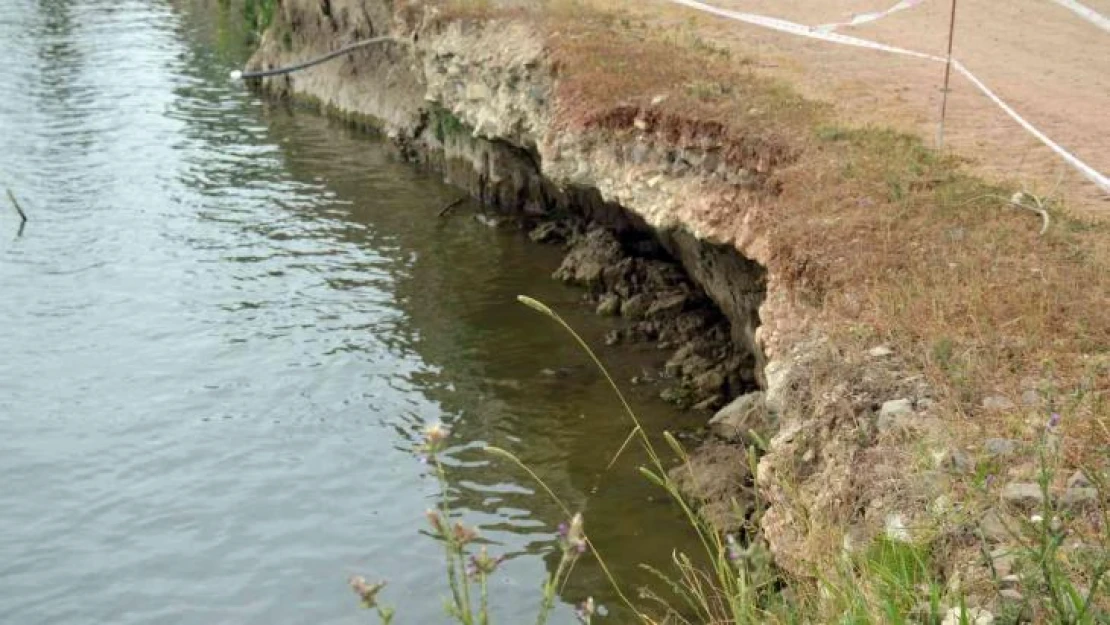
<point>240,75</point>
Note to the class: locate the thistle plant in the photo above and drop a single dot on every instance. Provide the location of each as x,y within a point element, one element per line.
<point>468,571</point>
<point>572,543</point>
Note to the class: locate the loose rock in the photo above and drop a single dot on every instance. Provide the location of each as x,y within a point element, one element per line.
<point>1002,559</point>
<point>548,232</point>
<point>1031,398</point>
<point>589,258</point>
<point>667,305</point>
<point>740,417</point>
<point>882,351</point>
<point>996,527</point>
<point>709,403</point>
<point>709,382</point>
<point>971,616</point>
<point>635,307</point>
<point>999,447</point>
<point>997,403</point>
<point>1078,497</point>
<point>609,305</point>
<point>1023,494</point>
<point>894,414</point>
<point>1079,480</point>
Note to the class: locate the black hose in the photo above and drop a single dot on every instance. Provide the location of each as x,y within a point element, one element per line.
<point>316,61</point>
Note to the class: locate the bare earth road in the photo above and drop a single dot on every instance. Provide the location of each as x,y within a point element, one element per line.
<point>1048,63</point>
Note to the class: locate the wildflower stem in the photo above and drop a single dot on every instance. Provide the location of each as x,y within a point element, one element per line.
<point>483,614</point>
<point>549,590</point>
<point>456,563</point>
<point>497,451</point>
<point>710,541</point>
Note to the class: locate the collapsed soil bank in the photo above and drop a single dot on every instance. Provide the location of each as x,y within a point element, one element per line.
<point>476,100</point>
<point>472,102</point>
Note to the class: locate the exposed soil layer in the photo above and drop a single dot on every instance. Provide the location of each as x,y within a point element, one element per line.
<point>891,307</point>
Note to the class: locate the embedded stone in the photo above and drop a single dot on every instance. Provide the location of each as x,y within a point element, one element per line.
<point>999,446</point>
<point>997,403</point>
<point>741,416</point>
<point>1023,494</point>
<point>609,305</point>
<point>1078,497</point>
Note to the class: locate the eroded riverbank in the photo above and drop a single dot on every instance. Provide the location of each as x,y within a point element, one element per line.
<point>844,264</point>
<point>227,329</point>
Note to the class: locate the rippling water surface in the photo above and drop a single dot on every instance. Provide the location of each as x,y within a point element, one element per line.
<point>222,331</point>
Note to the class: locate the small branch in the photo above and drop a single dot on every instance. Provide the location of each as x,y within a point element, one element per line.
<point>446,209</point>
<point>18,208</point>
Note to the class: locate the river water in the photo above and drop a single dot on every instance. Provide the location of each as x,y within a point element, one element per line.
<point>223,330</point>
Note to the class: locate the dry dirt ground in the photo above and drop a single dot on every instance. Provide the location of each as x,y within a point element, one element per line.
<point>1049,64</point>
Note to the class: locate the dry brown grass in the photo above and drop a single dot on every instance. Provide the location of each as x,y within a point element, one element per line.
<point>889,240</point>
<point>882,239</point>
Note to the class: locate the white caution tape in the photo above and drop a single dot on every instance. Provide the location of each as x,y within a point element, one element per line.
<point>793,28</point>
<point>864,18</point>
<point>802,30</point>
<point>1086,13</point>
<point>1090,172</point>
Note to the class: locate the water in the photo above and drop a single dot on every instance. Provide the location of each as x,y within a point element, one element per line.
<point>223,330</point>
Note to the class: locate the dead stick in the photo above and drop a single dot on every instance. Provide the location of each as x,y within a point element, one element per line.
<point>18,208</point>
<point>443,211</point>
<point>947,75</point>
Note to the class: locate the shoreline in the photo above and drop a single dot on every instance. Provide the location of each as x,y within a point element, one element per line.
<point>815,244</point>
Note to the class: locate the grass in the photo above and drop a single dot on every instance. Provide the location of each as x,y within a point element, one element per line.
<point>890,580</point>
<point>445,123</point>
<point>259,14</point>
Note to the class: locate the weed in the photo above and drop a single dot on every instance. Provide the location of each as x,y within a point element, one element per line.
<point>259,14</point>
<point>446,124</point>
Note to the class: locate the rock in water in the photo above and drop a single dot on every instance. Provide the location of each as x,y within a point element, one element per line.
<point>589,257</point>
<point>739,418</point>
<point>609,305</point>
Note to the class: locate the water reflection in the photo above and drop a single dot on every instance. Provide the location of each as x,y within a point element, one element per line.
<point>228,327</point>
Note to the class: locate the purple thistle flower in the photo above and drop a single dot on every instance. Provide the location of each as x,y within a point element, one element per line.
<point>572,536</point>
<point>1054,420</point>
<point>483,564</point>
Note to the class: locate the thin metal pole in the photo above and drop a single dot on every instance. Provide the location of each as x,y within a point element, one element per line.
<point>947,75</point>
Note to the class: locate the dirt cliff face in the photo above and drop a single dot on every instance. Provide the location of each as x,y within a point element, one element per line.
<point>480,100</point>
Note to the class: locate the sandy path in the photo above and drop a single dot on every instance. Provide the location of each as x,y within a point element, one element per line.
<point>1049,64</point>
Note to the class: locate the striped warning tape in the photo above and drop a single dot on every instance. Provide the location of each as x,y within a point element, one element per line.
<point>781,25</point>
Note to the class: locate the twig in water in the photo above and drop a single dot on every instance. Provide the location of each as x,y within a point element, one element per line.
<point>446,209</point>
<point>18,209</point>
